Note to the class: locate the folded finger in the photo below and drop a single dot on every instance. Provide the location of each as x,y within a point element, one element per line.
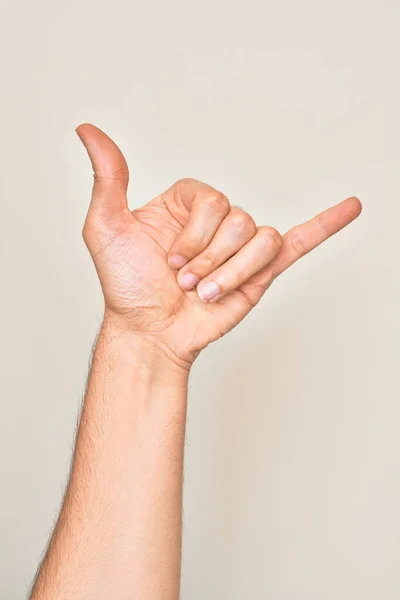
<point>252,257</point>
<point>207,209</point>
<point>235,231</point>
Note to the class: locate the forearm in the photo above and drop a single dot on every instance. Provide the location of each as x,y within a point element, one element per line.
<point>119,532</point>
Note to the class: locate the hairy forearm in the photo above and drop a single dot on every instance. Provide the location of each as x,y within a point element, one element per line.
<point>119,531</point>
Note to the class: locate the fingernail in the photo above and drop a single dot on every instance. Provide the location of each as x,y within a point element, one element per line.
<point>208,291</point>
<point>176,261</point>
<point>188,281</point>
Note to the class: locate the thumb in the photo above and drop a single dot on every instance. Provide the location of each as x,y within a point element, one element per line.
<point>110,170</point>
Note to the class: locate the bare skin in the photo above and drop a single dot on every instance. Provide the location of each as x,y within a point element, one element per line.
<point>119,531</point>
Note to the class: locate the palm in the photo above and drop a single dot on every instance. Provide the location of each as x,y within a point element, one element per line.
<point>138,282</point>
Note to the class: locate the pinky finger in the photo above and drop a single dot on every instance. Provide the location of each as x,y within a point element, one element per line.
<point>299,241</point>
<point>303,238</point>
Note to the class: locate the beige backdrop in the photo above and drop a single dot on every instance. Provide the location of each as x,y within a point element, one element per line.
<point>292,487</point>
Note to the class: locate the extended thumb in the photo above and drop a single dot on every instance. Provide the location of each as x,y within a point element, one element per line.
<point>111,174</point>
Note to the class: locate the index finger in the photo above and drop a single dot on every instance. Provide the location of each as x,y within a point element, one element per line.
<point>201,209</point>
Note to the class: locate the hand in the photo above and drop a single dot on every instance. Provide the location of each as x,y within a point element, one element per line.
<point>186,267</point>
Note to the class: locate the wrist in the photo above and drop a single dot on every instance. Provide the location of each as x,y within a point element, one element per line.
<point>136,347</point>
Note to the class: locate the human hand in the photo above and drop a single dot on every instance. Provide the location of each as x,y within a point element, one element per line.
<point>159,264</point>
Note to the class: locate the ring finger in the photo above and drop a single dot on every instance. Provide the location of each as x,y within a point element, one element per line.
<point>250,259</point>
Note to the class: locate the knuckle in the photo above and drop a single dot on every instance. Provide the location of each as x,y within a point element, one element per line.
<point>217,201</point>
<point>323,229</point>
<point>297,242</point>
<point>177,189</point>
<point>194,240</point>
<point>243,221</point>
<point>185,181</point>
<point>119,174</point>
<point>208,260</point>
<point>271,237</point>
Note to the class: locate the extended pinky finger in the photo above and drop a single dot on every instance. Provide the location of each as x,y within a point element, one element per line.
<point>252,257</point>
